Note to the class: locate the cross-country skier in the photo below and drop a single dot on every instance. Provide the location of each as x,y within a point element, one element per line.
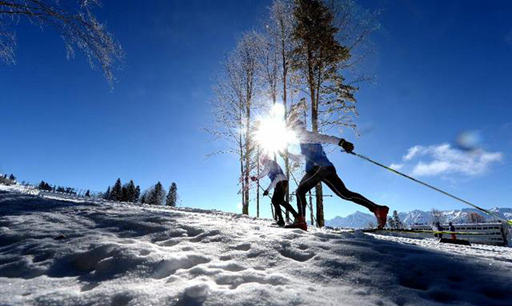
<point>280,182</point>
<point>320,169</point>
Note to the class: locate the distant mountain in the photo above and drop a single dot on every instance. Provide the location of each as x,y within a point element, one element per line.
<point>361,220</point>
<point>355,220</point>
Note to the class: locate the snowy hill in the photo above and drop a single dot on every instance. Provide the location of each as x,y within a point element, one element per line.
<point>361,220</point>
<point>56,252</point>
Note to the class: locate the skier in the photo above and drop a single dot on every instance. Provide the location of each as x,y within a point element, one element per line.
<point>280,182</point>
<point>320,169</point>
<point>438,228</point>
<point>452,229</point>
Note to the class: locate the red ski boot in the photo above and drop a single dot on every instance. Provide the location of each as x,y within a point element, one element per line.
<point>381,213</point>
<point>299,223</point>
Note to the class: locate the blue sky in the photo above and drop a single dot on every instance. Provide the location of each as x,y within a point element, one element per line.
<point>441,68</point>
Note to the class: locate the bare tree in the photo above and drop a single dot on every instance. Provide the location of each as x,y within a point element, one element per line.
<point>235,101</point>
<point>474,217</point>
<point>437,216</point>
<point>280,29</point>
<point>74,21</point>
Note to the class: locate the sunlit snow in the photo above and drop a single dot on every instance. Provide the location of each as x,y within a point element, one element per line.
<point>59,252</point>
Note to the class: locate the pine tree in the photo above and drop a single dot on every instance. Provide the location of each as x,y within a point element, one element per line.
<point>136,195</point>
<point>117,191</point>
<point>396,220</point>
<point>88,193</point>
<point>108,194</point>
<point>156,195</point>
<point>391,222</point>
<point>12,177</point>
<point>172,196</point>
<point>130,192</point>
<point>143,198</point>
<point>317,55</point>
<point>124,193</point>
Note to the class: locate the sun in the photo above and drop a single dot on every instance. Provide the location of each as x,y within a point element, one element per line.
<point>272,134</point>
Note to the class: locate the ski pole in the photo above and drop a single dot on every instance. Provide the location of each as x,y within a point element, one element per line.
<point>431,187</point>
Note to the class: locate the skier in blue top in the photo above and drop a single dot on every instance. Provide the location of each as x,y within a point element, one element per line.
<point>280,182</point>
<point>320,169</point>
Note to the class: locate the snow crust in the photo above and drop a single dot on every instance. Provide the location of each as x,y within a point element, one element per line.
<point>57,252</point>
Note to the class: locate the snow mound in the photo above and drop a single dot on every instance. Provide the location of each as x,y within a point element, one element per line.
<point>55,252</point>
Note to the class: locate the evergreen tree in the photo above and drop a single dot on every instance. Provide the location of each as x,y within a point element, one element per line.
<point>143,198</point>
<point>117,191</point>
<point>12,177</point>
<point>156,195</point>
<point>130,192</point>
<point>391,222</point>
<point>108,194</point>
<point>396,219</point>
<point>172,196</point>
<point>88,193</point>
<point>124,193</point>
<point>136,196</point>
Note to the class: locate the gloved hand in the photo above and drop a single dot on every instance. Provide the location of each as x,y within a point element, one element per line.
<point>265,193</point>
<point>347,146</point>
<point>254,179</point>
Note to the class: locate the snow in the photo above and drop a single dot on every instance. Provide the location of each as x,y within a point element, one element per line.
<point>61,252</point>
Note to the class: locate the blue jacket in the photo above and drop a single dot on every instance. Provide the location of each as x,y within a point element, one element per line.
<point>315,155</point>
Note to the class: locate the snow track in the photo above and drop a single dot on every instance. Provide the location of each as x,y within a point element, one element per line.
<point>55,252</point>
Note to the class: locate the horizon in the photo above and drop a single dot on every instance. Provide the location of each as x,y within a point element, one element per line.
<point>441,85</point>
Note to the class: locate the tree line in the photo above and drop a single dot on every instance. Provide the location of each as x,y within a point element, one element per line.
<point>302,54</point>
<point>128,192</point>
<point>155,195</point>
<point>7,179</point>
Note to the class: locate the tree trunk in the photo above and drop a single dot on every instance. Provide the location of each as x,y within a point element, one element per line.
<point>312,214</point>
<point>258,187</point>
<point>247,161</point>
<point>242,172</point>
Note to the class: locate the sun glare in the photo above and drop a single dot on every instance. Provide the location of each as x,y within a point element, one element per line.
<point>272,134</point>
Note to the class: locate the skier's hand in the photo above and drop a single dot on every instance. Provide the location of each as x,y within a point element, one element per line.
<point>347,146</point>
<point>265,193</point>
<point>254,179</point>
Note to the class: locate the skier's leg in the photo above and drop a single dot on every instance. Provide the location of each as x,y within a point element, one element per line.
<point>310,180</point>
<point>332,180</point>
<point>337,186</point>
<point>286,205</point>
<point>276,197</point>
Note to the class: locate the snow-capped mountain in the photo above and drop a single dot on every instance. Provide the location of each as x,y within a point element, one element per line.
<point>355,220</point>
<point>361,220</point>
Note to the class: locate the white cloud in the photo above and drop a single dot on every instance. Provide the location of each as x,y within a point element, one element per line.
<point>412,152</point>
<point>443,159</point>
<point>396,166</point>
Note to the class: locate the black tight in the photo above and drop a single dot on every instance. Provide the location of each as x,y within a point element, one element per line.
<point>328,176</point>
<point>278,200</point>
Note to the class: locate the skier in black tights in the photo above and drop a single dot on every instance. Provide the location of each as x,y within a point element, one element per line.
<point>320,169</point>
<point>280,182</point>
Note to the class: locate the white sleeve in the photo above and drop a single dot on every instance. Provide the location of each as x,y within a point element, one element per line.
<point>296,157</point>
<point>265,171</point>
<point>273,184</point>
<point>310,137</point>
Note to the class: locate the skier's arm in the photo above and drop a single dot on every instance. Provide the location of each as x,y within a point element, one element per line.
<point>310,137</point>
<point>265,171</point>
<point>298,158</point>
<point>273,184</point>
